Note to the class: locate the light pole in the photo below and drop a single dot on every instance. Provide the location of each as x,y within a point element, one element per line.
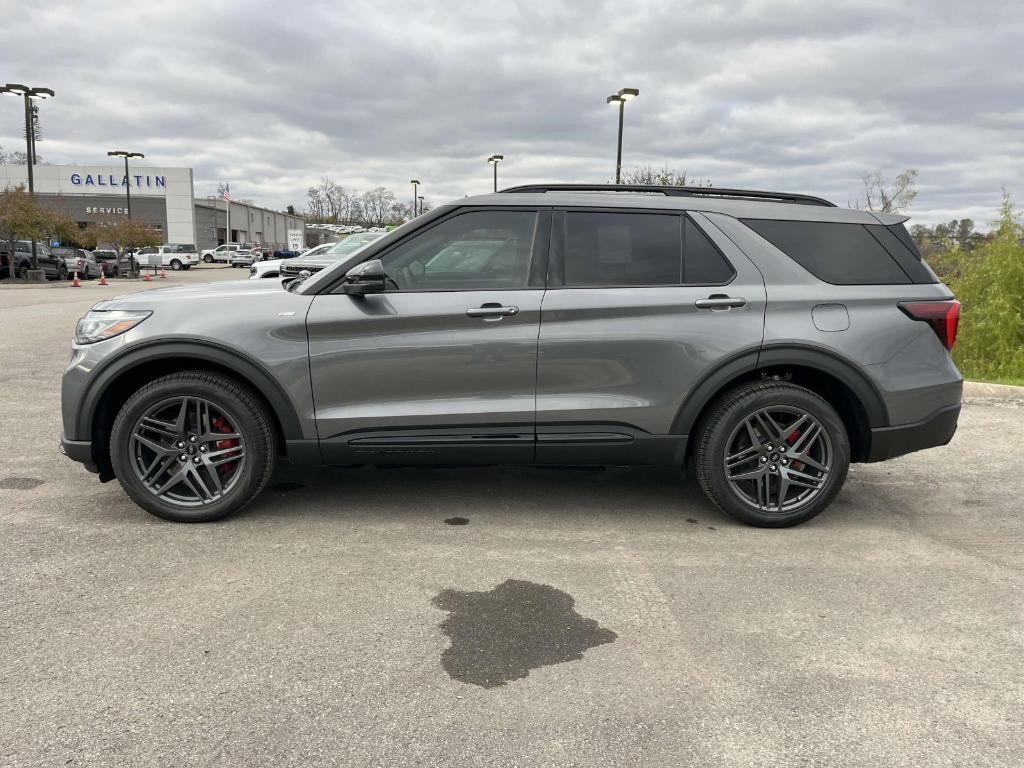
<point>28,94</point>
<point>127,178</point>
<point>415,191</point>
<point>421,203</point>
<point>494,160</point>
<point>620,98</point>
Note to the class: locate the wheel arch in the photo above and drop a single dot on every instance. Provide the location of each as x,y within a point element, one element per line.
<point>112,385</point>
<point>837,380</point>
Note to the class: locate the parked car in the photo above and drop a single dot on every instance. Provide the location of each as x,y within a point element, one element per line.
<point>272,268</point>
<point>244,258</point>
<point>269,267</point>
<point>78,261</point>
<point>174,256</point>
<point>53,265</point>
<point>111,264</point>
<point>765,339</point>
<point>220,254</point>
<point>315,260</point>
<point>22,261</point>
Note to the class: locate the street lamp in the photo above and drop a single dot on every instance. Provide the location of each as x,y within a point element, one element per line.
<point>127,179</point>
<point>621,98</point>
<point>28,94</point>
<point>494,160</point>
<point>421,203</point>
<point>415,190</point>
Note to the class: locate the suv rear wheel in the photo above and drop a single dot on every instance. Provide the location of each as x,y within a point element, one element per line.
<point>175,264</point>
<point>192,447</point>
<point>772,454</point>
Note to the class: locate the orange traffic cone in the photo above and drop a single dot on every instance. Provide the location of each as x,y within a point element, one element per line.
<point>75,282</point>
<point>103,275</point>
<point>146,278</point>
<point>163,274</point>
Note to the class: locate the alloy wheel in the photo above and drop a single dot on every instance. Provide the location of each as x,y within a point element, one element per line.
<point>778,459</point>
<point>187,451</point>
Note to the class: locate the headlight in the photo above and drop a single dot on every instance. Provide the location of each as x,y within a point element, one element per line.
<point>100,325</point>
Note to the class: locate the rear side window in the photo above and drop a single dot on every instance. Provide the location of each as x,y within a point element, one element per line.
<point>837,253</point>
<point>614,250</point>
<point>622,249</point>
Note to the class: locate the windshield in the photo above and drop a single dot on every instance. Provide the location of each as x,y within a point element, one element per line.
<point>353,243</point>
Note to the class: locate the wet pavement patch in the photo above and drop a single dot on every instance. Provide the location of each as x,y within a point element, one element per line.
<point>457,521</point>
<point>285,486</point>
<point>19,483</point>
<point>500,635</point>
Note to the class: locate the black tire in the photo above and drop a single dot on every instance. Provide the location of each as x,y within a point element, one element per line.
<point>62,273</point>
<point>230,398</point>
<point>208,259</point>
<point>724,421</point>
<point>175,265</point>
<point>23,273</point>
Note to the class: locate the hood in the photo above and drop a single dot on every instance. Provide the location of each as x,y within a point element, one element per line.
<point>226,291</point>
<point>319,262</point>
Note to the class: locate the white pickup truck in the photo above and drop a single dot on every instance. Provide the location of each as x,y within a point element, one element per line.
<point>174,256</point>
<point>223,252</point>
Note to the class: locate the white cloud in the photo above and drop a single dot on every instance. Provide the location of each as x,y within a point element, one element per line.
<point>796,95</point>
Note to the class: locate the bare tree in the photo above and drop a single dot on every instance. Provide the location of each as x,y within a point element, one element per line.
<point>316,206</point>
<point>883,196</point>
<point>377,205</point>
<point>648,175</point>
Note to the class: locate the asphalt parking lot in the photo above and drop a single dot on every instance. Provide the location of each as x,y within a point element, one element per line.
<point>558,617</point>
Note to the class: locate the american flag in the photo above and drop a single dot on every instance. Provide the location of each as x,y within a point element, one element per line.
<point>227,192</point>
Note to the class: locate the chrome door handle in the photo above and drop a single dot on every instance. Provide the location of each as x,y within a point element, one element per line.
<point>719,301</point>
<point>492,311</point>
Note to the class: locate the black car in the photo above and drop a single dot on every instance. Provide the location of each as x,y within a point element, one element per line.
<point>22,262</point>
<point>53,266</point>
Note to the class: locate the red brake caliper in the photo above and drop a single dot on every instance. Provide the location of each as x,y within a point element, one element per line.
<point>221,425</point>
<point>794,435</point>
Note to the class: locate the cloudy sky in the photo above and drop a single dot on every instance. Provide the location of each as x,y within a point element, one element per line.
<point>797,95</point>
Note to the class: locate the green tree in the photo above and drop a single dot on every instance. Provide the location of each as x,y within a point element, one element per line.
<point>23,218</point>
<point>990,343</point>
<point>123,235</point>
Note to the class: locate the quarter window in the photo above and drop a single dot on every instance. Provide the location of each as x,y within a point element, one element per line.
<point>837,253</point>
<point>475,251</point>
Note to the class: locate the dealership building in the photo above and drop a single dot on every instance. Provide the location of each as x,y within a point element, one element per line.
<point>161,197</point>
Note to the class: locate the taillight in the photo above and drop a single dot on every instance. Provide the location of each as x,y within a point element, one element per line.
<point>942,316</point>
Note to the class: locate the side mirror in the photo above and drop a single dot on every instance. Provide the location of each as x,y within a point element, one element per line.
<point>365,278</point>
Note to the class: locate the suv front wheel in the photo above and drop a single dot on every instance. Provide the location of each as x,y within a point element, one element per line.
<point>772,454</point>
<point>192,447</point>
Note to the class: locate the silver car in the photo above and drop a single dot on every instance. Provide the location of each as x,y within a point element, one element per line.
<point>767,340</point>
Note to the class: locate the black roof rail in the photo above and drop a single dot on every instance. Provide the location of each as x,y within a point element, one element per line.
<point>740,194</point>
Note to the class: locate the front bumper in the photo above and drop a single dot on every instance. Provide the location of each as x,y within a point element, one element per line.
<point>80,451</point>
<point>930,432</point>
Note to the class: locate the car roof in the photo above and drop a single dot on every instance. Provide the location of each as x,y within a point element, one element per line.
<point>740,208</point>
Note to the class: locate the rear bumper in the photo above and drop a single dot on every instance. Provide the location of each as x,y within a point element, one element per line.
<point>930,432</point>
<point>80,451</point>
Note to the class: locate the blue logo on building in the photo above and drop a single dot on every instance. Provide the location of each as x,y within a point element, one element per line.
<point>109,180</point>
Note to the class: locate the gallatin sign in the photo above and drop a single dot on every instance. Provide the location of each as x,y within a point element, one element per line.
<point>109,180</point>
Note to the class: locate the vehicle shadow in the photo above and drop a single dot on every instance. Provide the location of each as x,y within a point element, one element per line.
<point>526,493</point>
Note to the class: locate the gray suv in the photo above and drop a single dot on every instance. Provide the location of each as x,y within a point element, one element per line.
<point>765,339</point>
